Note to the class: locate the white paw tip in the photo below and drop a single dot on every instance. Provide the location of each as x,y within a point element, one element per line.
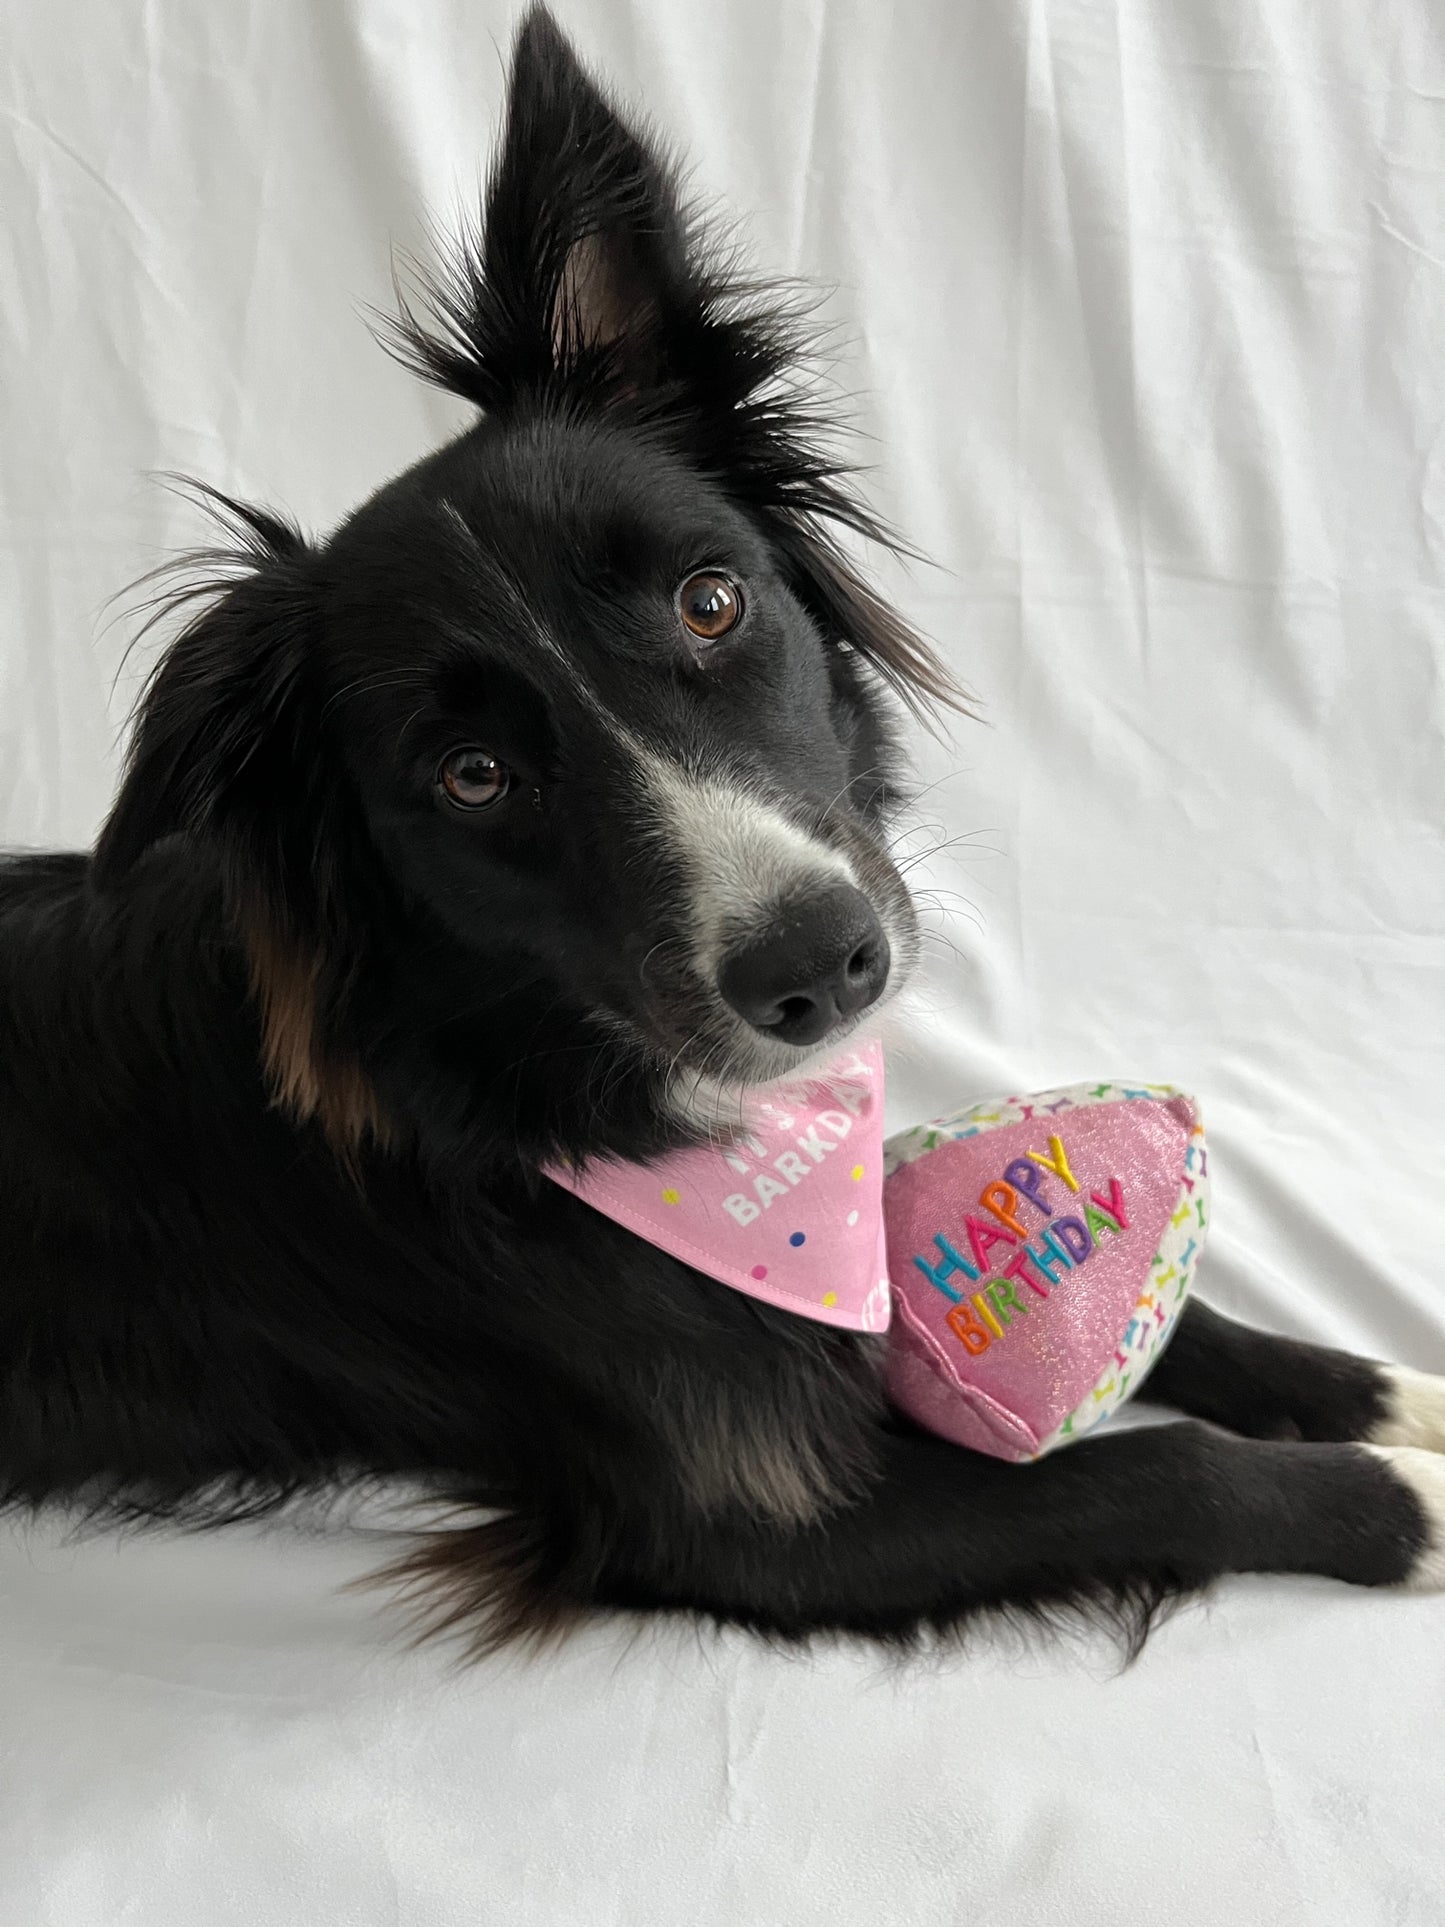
<point>1414,1410</point>
<point>1424,1473</point>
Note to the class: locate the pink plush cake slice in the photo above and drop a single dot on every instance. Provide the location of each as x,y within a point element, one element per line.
<point>1040,1250</point>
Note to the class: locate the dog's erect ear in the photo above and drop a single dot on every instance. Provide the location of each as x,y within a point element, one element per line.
<point>581,221</point>
<point>581,257</point>
<point>228,754</point>
<point>588,279</point>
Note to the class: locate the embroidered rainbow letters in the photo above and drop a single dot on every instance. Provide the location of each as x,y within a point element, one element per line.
<point>1037,1257</point>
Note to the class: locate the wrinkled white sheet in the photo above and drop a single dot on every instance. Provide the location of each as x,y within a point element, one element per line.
<point>1148,307</point>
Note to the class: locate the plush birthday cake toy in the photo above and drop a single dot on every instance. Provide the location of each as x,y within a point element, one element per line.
<point>1040,1251</point>
<point>1028,1257</point>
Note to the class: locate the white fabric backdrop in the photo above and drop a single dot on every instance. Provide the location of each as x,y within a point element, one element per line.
<point>1148,305</point>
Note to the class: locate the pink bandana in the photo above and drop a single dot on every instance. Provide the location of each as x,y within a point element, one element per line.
<point>791,1212</point>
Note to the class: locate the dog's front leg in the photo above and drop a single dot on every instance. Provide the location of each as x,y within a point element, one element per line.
<point>1122,1521</point>
<point>1270,1387</point>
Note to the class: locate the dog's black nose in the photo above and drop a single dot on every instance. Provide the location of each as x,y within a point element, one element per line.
<point>824,958</point>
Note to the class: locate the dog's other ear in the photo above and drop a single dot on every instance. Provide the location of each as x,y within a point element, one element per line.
<point>848,610</point>
<point>581,254</point>
<point>228,754</point>
<point>214,747</point>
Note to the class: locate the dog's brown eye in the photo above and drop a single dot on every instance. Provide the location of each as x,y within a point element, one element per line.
<point>709,604</point>
<point>473,780</point>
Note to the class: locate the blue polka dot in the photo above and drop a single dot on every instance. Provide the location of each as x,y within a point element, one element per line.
<point>798,1238</point>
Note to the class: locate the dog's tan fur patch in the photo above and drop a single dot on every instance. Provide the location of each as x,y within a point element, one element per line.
<point>306,1079</point>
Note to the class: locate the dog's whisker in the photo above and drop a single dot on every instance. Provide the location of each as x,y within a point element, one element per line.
<point>373,685</point>
<point>911,863</point>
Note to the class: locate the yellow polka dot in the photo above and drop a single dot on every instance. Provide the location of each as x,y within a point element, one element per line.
<point>670,1196</point>
<point>856,1172</point>
<point>830,1297</point>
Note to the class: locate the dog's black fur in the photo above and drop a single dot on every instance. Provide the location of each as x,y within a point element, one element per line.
<point>281,1061</point>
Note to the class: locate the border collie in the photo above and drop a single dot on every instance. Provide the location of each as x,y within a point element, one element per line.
<point>538,813</point>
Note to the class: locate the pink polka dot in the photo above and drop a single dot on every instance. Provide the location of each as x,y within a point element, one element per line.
<point>760,1271</point>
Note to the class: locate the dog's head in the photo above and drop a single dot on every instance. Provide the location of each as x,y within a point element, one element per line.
<point>580,717</point>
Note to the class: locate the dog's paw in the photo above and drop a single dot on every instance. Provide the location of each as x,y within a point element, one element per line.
<point>1414,1410</point>
<point>1424,1474</point>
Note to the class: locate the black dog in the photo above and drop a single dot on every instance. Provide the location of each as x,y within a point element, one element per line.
<point>539,812</point>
